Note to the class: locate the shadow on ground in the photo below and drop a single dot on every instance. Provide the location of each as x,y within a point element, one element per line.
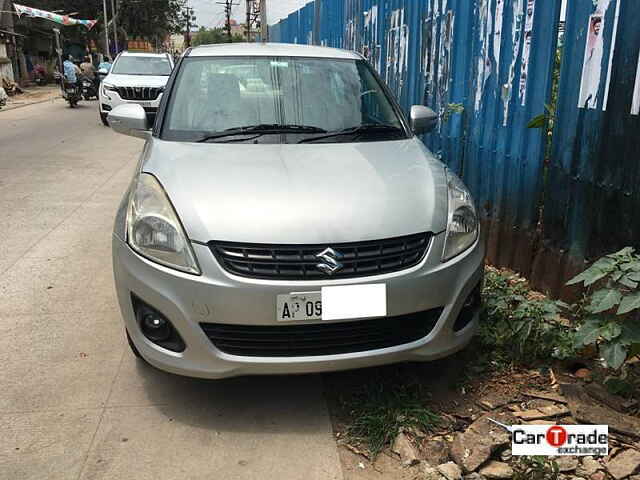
<point>264,404</point>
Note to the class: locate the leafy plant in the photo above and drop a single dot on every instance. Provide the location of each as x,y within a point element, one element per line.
<point>611,307</point>
<point>544,119</point>
<point>450,109</point>
<point>519,326</point>
<point>535,468</point>
<point>379,411</point>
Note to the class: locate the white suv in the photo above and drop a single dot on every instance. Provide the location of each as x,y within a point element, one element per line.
<point>135,78</point>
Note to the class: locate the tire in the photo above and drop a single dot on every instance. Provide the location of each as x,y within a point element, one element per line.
<point>103,117</point>
<point>132,345</point>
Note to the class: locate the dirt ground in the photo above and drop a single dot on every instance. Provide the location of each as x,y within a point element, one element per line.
<point>461,393</point>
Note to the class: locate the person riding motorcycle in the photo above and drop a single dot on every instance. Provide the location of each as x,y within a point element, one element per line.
<point>90,73</point>
<point>71,72</point>
<point>87,68</point>
<point>105,64</point>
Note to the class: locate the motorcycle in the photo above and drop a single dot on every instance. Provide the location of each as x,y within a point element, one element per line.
<point>89,88</point>
<point>40,75</point>
<point>71,93</point>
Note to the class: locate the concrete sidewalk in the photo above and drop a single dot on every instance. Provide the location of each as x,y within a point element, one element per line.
<point>74,403</point>
<point>31,96</point>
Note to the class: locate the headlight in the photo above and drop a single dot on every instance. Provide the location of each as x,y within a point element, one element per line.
<point>462,227</point>
<point>108,86</point>
<point>153,228</point>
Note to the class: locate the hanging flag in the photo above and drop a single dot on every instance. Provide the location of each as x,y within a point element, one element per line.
<point>54,17</point>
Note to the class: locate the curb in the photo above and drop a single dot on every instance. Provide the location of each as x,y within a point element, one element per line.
<point>8,108</point>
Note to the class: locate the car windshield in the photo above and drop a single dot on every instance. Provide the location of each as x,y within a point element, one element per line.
<point>279,99</point>
<point>142,66</point>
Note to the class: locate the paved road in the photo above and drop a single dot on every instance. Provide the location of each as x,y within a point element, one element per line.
<point>74,403</point>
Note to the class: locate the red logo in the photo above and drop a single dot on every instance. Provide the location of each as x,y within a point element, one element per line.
<point>556,436</point>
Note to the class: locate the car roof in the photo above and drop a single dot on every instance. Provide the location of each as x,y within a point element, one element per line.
<point>142,54</point>
<point>270,50</point>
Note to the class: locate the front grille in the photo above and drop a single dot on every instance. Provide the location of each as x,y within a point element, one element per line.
<point>139,93</point>
<point>300,262</point>
<point>323,338</point>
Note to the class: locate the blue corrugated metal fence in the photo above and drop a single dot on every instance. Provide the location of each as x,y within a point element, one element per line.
<point>487,67</point>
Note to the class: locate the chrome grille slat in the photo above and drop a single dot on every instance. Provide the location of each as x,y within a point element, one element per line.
<point>139,93</point>
<point>298,262</point>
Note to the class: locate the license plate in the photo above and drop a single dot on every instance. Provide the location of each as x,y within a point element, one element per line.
<point>299,306</point>
<point>339,302</point>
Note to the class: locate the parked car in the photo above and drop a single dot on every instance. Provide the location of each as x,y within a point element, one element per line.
<point>302,227</point>
<point>137,78</point>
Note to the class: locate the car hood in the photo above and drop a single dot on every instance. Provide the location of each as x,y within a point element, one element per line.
<point>303,193</point>
<point>136,80</point>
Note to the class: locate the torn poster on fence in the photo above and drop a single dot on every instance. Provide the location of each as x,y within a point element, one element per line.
<point>594,54</point>
<point>635,103</point>
<point>516,33</point>
<point>526,50</point>
<point>592,63</point>
<point>444,69</point>
<point>397,51</point>
<point>497,34</point>
<point>613,45</point>
<point>372,52</point>
<point>483,69</point>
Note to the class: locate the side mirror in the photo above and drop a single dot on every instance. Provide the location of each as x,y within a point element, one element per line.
<point>103,71</point>
<point>130,119</point>
<point>423,119</point>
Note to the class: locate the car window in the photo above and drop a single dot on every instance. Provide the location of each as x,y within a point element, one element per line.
<point>142,66</point>
<point>213,94</point>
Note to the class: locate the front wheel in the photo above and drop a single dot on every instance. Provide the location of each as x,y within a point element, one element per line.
<point>103,117</point>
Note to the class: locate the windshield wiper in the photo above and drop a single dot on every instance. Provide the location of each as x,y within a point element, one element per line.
<point>263,129</point>
<point>359,130</point>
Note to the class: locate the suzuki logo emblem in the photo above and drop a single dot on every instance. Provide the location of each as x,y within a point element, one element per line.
<point>330,263</point>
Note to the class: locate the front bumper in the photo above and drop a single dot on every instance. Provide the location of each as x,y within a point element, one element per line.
<point>218,297</point>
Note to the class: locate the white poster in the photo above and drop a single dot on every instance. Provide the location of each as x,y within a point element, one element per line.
<point>497,34</point>
<point>592,63</point>
<point>526,51</point>
<point>635,103</point>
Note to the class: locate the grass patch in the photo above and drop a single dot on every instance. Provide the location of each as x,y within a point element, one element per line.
<point>379,411</point>
<point>535,468</point>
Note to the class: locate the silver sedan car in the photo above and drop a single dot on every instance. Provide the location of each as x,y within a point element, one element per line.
<point>285,218</point>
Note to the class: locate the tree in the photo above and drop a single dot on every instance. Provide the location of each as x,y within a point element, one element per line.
<point>148,19</point>
<point>207,36</point>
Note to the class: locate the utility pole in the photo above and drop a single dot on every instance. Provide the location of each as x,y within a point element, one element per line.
<point>188,40</point>
<point>188,16</point>
<point>106,27</point>
<point>228,4</point>
<point>115,26</point>
<point>264,28</point>
<point>248,24</point>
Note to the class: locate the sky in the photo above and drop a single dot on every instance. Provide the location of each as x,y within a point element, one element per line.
<point>210,14</point>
